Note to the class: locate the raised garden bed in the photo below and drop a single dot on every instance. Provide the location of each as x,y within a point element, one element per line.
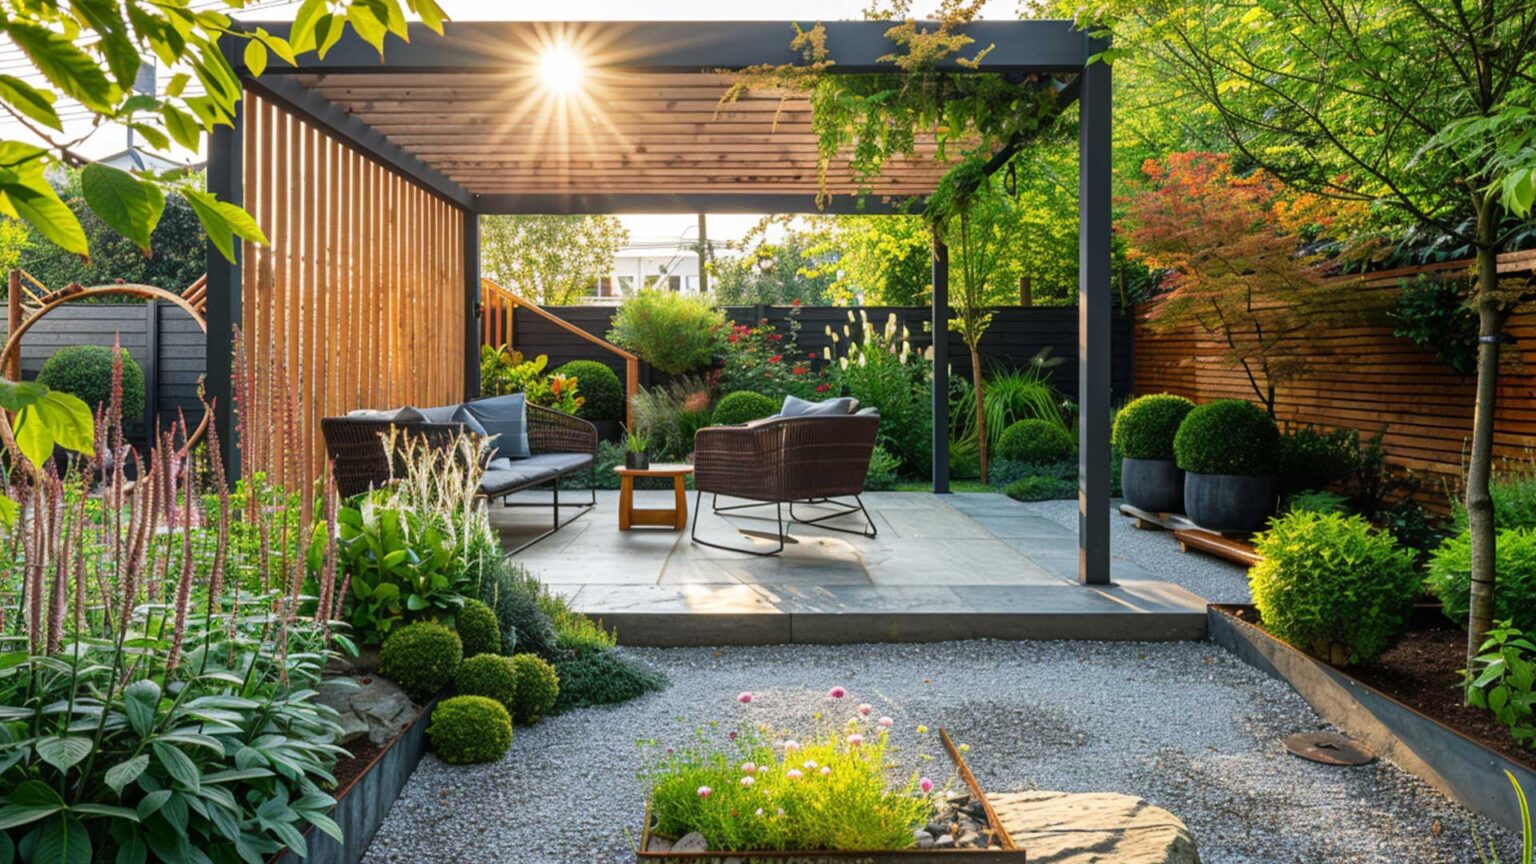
<point>1409,721</point>
<point>1005,852</point>
<point>369,784</point>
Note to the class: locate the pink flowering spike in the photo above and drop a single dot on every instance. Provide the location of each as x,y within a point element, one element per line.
<point>748,768</point>
<point>759,811</point>
<point>865,709</point>
<point>794,774</point>
<point>748,780</point>
<point>855,739</point>
<point>836,693</point>
<point>885,722</point>
<point>671,750</point>
<point>745,698</point>
<point>810,764</point>
<point>925,784</point>
<point>825,771</point>
<point>705,792</point>
<point>733,735</point>
<point>791,746</point>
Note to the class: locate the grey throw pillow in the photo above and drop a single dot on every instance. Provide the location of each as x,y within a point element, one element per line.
<point>871,411</point>
<point>794,406</point>
<point>440,414</point>
<point>506,419</point>
<point>373,414</point>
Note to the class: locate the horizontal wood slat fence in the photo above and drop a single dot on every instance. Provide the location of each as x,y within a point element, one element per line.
<point>358,301</point>
<point>1370,380</point>
<point>1015,336</point>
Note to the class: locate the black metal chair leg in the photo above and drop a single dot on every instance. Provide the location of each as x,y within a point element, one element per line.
<point>693,534</point>
<point>870,529</point>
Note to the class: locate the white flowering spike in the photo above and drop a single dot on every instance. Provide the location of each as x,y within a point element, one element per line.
<point>864,315</point>
<point>842,363</point>
<point>863,360</point>
<point>845,328</point>
<point>829,329</point>
<point>826,354</point>
<point>905,334</point>
<point>928,353</point>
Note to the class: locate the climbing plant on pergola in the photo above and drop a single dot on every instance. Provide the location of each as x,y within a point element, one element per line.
<point>369,176</point>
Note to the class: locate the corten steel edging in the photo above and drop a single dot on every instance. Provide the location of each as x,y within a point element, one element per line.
<point>1454,764</point>
<point>364,803</point>
<point>1007,853</point>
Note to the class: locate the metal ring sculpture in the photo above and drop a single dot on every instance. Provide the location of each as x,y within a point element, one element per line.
<point>126,289</point>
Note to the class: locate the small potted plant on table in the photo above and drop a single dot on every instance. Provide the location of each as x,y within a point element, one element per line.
<point>1150,479</point>
<point>637,446</point>
<point>1228,450</point>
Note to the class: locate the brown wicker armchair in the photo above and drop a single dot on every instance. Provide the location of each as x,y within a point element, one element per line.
<point>786,460</point>
<point>562,446</point>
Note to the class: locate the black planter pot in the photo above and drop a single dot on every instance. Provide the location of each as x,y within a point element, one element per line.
<point>1228,502</point>
<point>636,461</point>
<point>1153,485</point>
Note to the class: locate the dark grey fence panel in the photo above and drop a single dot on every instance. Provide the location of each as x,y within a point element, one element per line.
<point>1016,335</point>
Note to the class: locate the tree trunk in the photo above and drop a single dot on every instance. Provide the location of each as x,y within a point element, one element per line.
<point>981,412</point>
<point>1491,316</point>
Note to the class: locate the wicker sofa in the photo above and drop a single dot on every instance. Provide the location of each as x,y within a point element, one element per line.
<point>561,445</point>
<point>787,460</point>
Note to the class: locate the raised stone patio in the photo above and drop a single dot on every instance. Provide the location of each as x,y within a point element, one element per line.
<point>943,567</point>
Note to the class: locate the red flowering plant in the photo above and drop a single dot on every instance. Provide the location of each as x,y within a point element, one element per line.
<point>764,358</point>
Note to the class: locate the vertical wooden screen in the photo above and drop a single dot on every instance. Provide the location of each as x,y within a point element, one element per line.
<point>358,301</point>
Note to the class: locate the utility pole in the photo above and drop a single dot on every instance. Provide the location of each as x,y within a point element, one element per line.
<point>703,256</point>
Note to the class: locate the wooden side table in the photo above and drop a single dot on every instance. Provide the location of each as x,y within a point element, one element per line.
<point>674,518</point>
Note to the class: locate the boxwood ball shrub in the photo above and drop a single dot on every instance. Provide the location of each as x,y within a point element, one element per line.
<point>467,730</point>
<point>1145,427</point>
<point>1035,442</point>
<point>1333,585</point>
<point>422,658</point>
<point>478,630</point>
<point>1228,436</point>
<point>741,407</point>
<point>599,385</point>
<point>490,675</point>
<point>86,371</point>
<point>1514,598</point>
<point>538,688</point>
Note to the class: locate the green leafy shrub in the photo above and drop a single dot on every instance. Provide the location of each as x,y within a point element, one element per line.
<point>1449,577</point>
<point>670,415</point>
<point>1040,488</point>
<point>673,332</point>
<point>538,687</point>
<point>490,675</point>
<point>86,371</point>
<point>599,386</point>
<point>604,678</point>
<point>743,406</point>
<point>1332,585</point>
<point>1228,436</point>
<point>879,367</point>
<point>513,593</point>
<point>1312,501</point>
<point>884,470</point>
<point>1035,442</point>
<point>1513,488</point>
<point>575,634</point>
<point>1433,312</point>
<point>422,658</point>
<point>767,359</point>
<point>478,630</point>
<point>1311,459</point>
<point>468,730</point>
<point>1503,680</point>
<point>1145,427</point>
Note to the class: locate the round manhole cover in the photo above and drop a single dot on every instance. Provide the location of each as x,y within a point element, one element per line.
<point>1329,748</point>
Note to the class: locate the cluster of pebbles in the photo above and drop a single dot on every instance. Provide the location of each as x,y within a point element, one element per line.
<point>960,823</point>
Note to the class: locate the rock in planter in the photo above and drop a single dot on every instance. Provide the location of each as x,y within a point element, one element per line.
<point>1093,828</point>
<point>1153,485</point>
<point>369,706</point>
<point>1228,502</point>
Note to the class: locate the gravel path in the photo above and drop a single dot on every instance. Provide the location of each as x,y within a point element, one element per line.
<point>1184,725</point>
<point>1213,579</point>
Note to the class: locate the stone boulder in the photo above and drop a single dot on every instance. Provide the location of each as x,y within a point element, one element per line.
<point>370,706</point>
<point>1093,828</point>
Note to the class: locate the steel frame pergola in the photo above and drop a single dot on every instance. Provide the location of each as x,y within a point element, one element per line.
<point>1023,48</point>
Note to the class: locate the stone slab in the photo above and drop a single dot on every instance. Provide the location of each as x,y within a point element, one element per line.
<point>1093,828</point>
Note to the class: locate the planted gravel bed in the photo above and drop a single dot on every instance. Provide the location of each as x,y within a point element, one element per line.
<point>1185,725</point>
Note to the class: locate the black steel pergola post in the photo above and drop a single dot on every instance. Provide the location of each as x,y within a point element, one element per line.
<point>471,305</point>
<point>1093,320</point>
<point>223,310</point>
<point>940,311</point>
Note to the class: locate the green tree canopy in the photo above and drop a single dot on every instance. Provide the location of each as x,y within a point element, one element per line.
<point>552,260</point>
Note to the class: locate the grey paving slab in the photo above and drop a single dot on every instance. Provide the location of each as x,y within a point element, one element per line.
<point>978,561</point>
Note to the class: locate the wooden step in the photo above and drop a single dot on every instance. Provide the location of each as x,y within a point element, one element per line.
<point>1227,548</point>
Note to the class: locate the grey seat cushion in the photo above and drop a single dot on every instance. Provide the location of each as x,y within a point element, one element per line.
<point>505,475</point>
<point>794,406</point>
<point>505,418</point>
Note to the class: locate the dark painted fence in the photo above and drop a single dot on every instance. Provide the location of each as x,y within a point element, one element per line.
<point>1016,335</point>
<point>165,342</point>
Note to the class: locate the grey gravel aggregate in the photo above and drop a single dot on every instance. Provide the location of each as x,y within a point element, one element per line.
<point>1216,580</point>
<point>1185,725</point>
